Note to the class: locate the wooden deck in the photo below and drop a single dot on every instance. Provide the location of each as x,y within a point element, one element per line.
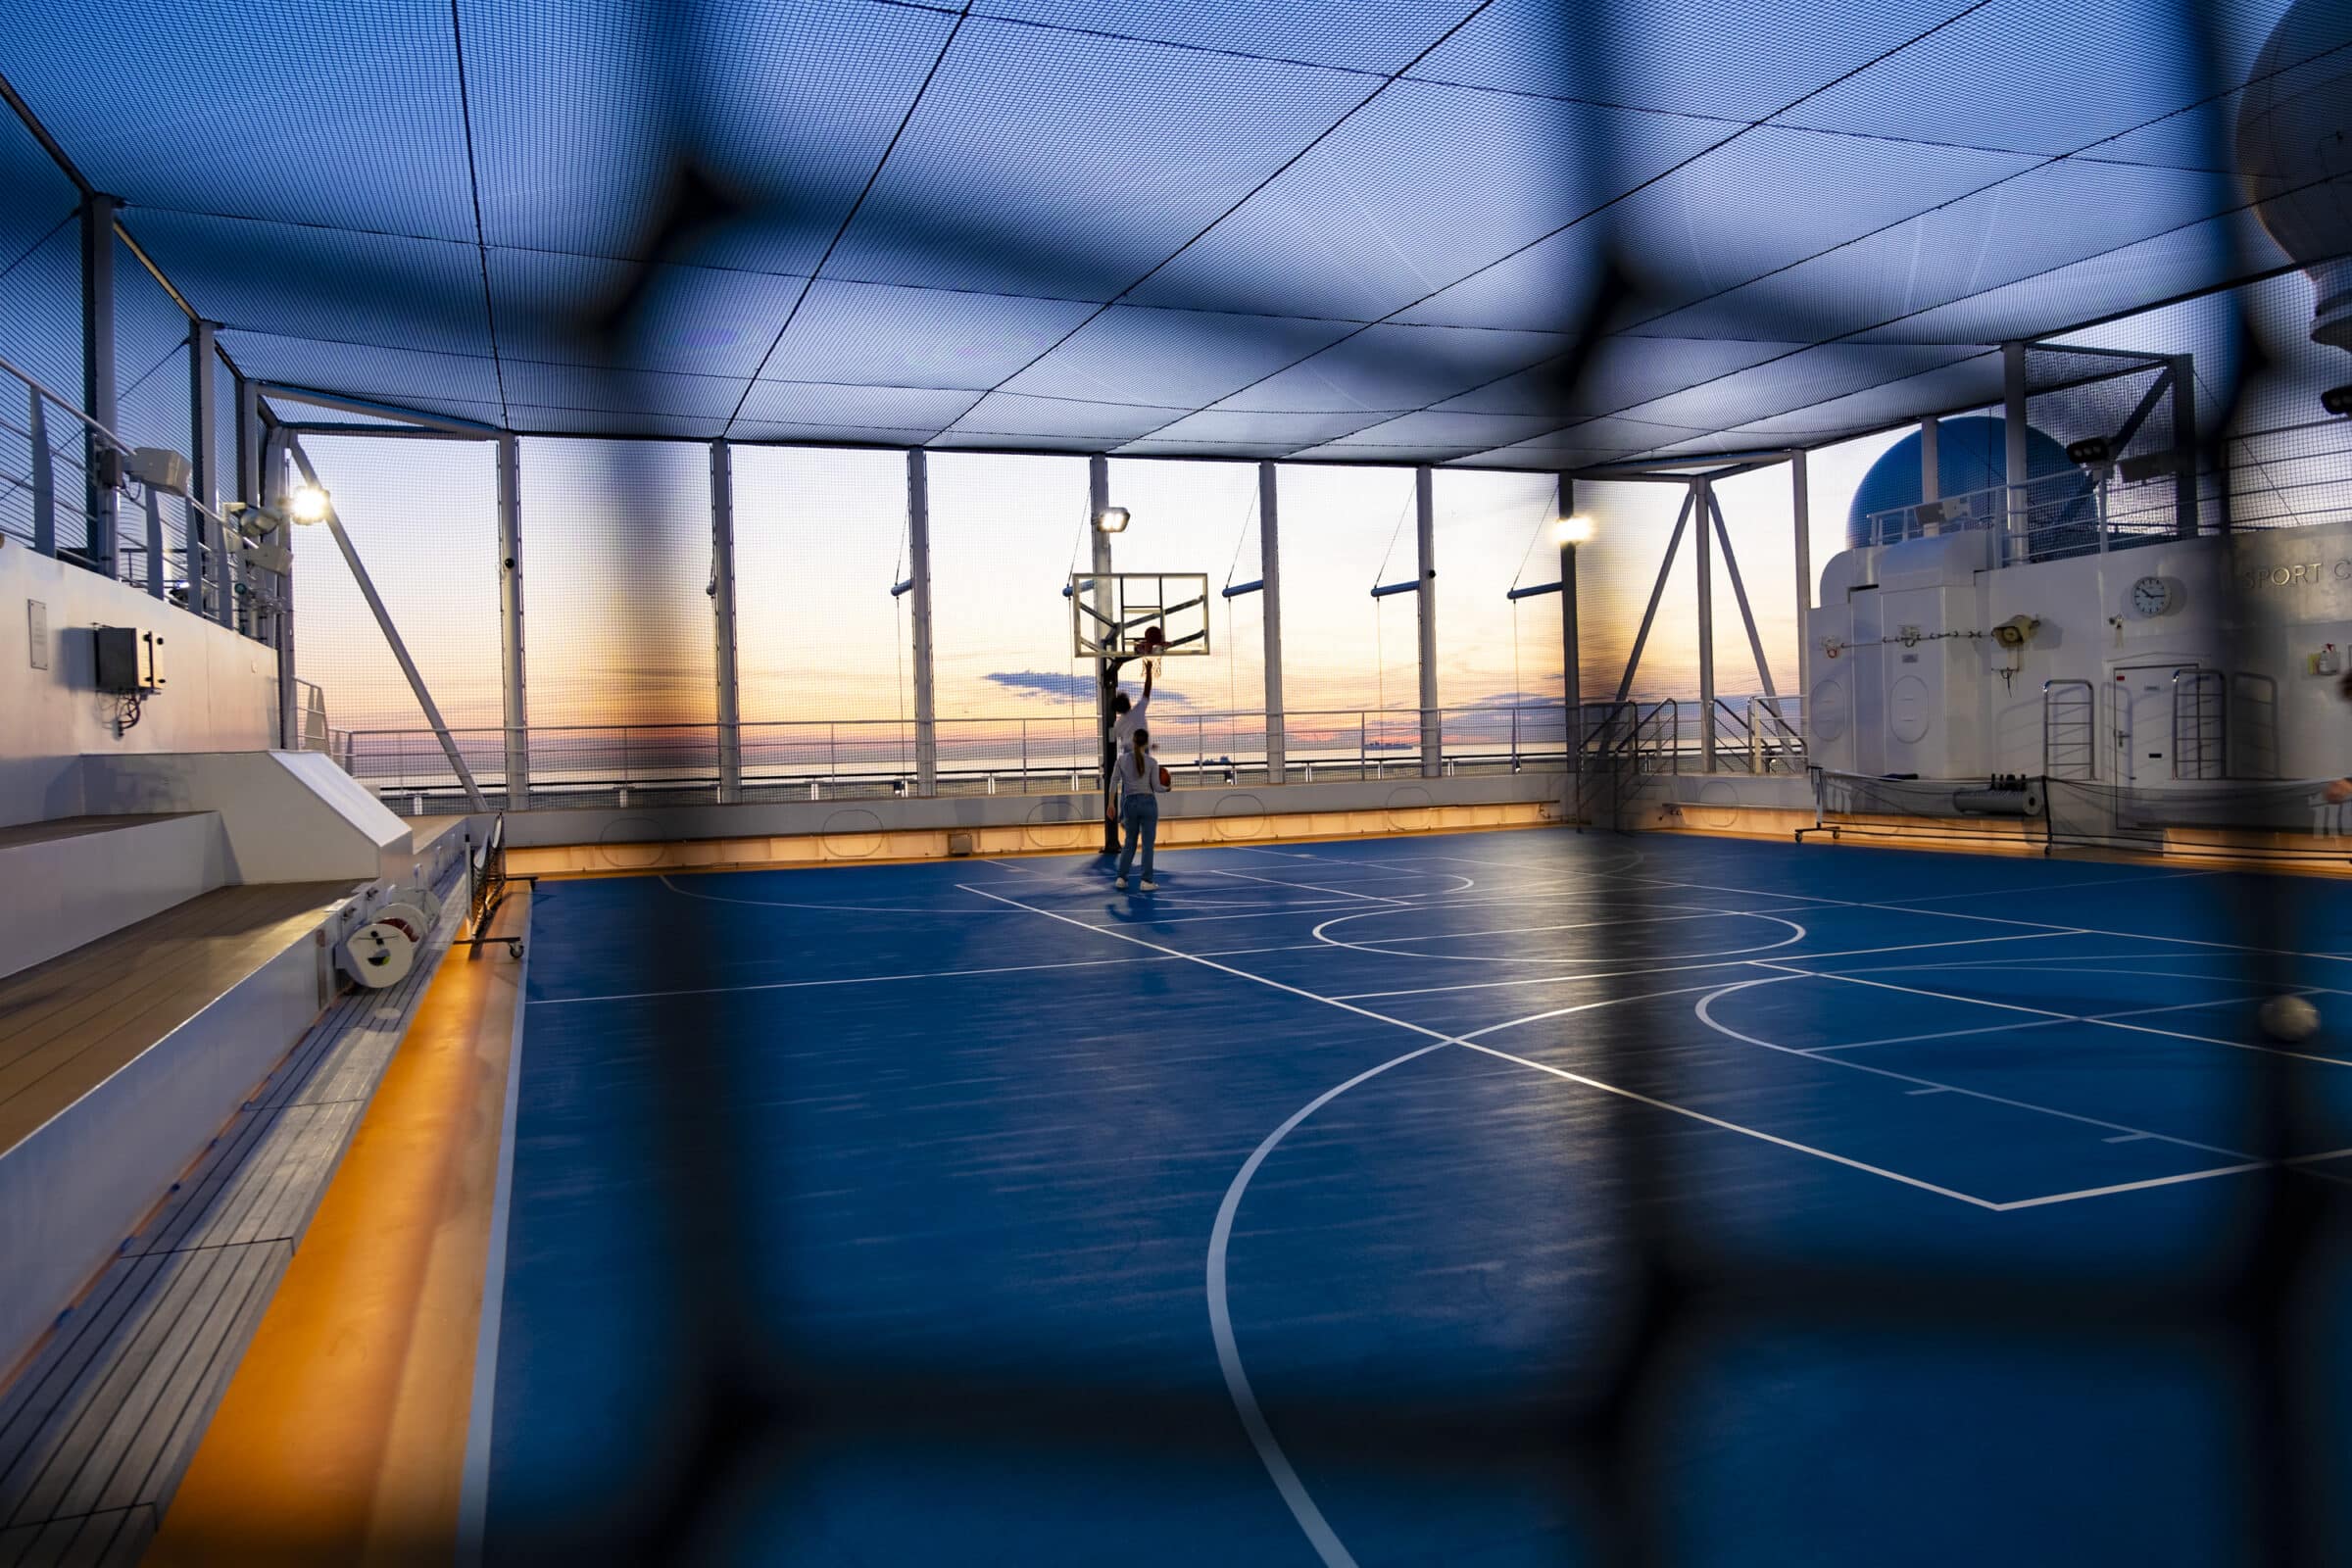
<point>66,1025</point>
<point>97,1428</point>
<point>74,827</point>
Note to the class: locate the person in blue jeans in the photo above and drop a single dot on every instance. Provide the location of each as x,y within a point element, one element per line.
<point>1141,781</point>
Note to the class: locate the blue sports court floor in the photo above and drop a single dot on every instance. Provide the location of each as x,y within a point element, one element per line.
<point>1493,1199</point>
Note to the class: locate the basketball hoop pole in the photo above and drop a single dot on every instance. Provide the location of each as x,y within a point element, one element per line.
<point>1098,501</point>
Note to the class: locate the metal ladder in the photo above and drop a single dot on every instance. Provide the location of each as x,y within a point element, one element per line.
<point>2070,729</point>
<point>2200,723</point>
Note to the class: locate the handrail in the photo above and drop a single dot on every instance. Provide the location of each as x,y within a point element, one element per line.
<point>111,440</point>
<point>2091,741</point>
<point>2198,675</point>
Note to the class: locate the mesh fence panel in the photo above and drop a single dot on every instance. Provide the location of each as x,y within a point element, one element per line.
<point>153,409</point>
<point>820,539</point>
<point>423,517</point>
<point>1005,534</point>
<point>40,328</point>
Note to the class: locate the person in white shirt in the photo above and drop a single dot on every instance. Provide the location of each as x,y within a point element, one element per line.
<point>1142,781</point>
<point>1128,717</point>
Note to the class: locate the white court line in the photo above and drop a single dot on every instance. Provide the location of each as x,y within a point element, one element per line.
<point>1285,1479</point>
<point>1940,1034</point>
<point>2049,1198</point>
<point>1708,1018</point>
<point>2257,1162</point>
<point>1994,919</point>
<point>1529,930</point>
<point>1796,934</point>
<point>1717,963</point>
<point>849,980</point>
<point>1305,887</point>
<point>1535,1017</point>
<point>2103,1020</point>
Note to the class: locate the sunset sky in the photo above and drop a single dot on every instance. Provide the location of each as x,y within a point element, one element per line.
<point>618,559</point>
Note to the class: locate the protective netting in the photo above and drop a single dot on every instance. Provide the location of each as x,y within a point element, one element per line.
<point>1527,236</point>
<point>2234,819</point>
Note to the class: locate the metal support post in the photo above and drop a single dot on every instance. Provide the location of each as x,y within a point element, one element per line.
<point>98,397</point>
<point>2185,450</point>
<point>918,574</point>
<point>1425,525</point>
<point>1747,616</point>
<point>1572,675</point>
<point>272,481</point>
<point>514,706</point>
<point>1269,573</point>
<point>246,617</point>
<point>1657,591</point>
<point>154,504</point>
<point>392,637</point>
<point>1097,500</point>
<point>2016,519</point>
<point>722,620</point>
<point>1800,502</point>
<point>208,565</point>
<point>1703,493</point>
<point>44,478</point>
<point>1930,458</point>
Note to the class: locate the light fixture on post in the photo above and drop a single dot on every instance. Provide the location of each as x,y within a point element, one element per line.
<point>1112,519</point>
<point>1574,530</point>
<point>309,503</point>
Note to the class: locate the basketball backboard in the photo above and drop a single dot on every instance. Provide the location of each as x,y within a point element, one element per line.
<point>1111,612</point>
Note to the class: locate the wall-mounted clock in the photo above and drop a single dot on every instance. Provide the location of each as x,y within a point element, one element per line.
<point>2151,597</point>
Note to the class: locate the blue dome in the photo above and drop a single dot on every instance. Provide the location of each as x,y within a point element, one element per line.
<point>1971,455</point>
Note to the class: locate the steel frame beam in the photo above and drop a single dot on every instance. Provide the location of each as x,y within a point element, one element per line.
<point>1097,500</point>
<point>722,622</point>
<point>1425,540</point>
<point>513,681</point>
<point>102,501</point>
<point>2188,447</point>
<point>208,569</point>
<point>1657,591</point>
<point>1702,494</point>
<point>1802,504</point>
<point>445,422</point>
<point>1269,577</point>
<point>1747,616</point>
<point>1572,675</point>
<point>392,637</point>
<point>918,583</point>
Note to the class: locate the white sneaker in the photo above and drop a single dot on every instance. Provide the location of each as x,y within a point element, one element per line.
<point>1150,886</point>
<point>1120,883</point>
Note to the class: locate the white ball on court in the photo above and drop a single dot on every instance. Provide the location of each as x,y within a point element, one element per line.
<point>2289,1018</point>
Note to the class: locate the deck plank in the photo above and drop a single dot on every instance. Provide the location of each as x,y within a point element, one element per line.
<point>67,1025</point>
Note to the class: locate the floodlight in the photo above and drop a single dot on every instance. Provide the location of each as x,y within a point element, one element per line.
<point>2337,400</point>
<point>1112,519</point>
<point>309,503</point>
<point>1571,530</point>
<point>2091,454</point>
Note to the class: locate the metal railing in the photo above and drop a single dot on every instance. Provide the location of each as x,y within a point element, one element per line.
<point>1755,736</point>
<point>2070,729</point>
<point>188,561</point>
<point>629,764</point>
